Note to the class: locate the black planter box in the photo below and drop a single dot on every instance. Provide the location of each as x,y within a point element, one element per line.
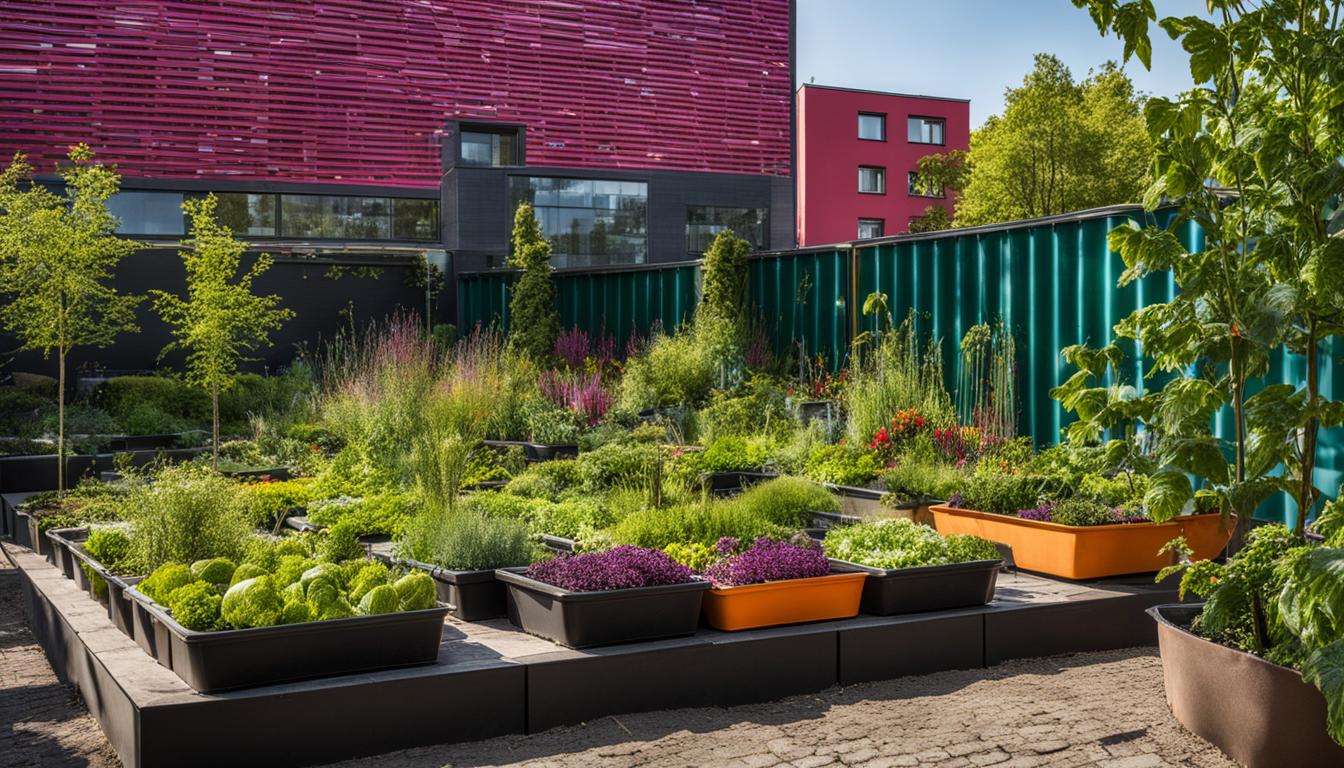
<point>819,410</point>
<point>469,595</point>
<point>274,473</point>
<point>67,546</point>
<point>19,474</point>
<point>825,521</point>
<point>558,544</point>
<point>537,451</point>
<point>143,442</point>
<point>587,619</point>
<point>247,658</point>
<point>890,591</point>
<point>734,481</point>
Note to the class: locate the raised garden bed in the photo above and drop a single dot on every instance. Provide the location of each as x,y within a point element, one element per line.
<point>246,658</point>
<point>858,501</point>
<point>537,451</point>
<point>734,481</point>
<point>788,601</point>
<point>1260,714</point>
<point>67,546</point>
<point>892,591</point>
<point>1087,552</point>
<point>20,474</point>
<point>827,411</point>
<point>586,619</point>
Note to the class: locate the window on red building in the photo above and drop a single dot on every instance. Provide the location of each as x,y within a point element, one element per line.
<point>926,130</point>
<point>872,127</point>
<point>872,180</point>
<point>871,228</point>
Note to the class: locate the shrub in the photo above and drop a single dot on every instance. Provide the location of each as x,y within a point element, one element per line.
<point>724,293</point>
<point>341,542</point>
<point>110,546</point>
<point>915,481</point>
<point>759,408</point>
<point>900,543</point>
<point>703,523</point>
<point>1082,512</point>
<point>382,513</point>
<point>267,503</point>
<point>547,479</point>
<point>619,464</point>
<point>732,454</point>
<point>765,560</point>
<point>252,603</point>
<point>843,464</point>
<point>120,396</point>
<point>786,501</point>
<point>623,567</point>
<point>1002,493</point>
<point>183,516</point>
<point>672,370</point>
<point>217,570</point>
<point>534,322</point>
<point>465,541</point>
<point>695,556</point>
<point>567,518</point>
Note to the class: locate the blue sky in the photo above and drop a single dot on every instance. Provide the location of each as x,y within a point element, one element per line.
<point>969,49</point>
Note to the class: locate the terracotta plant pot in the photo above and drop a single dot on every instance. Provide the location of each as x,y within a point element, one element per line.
<point>1087,552</point>
<point>1260,714</point>
<point>791,601</point>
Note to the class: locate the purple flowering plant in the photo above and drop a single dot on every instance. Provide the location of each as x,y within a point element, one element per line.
<point>623,567</point>
<point>766,560</point>
<point>1042,513</point>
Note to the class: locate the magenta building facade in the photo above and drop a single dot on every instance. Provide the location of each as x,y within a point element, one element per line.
<point>638,128</point>
<point>857,155</point>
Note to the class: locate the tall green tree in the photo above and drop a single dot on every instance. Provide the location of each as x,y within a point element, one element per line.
<point>221,319</point>
<point>1252,155</point>
<point>1059,146</point>
<point>58,254</point>
<point>534,322</point>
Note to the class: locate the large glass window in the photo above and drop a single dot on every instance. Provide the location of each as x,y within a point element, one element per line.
<point>589,222</point>
<point>872,181</point>
<point>358,218</point>
<point>248,214</point>
<point>481,147</point>
<point>925,130</point>
<point>871,228</point>
<point>872,127</point>
<point>148,213</point>
<point>705,222</point>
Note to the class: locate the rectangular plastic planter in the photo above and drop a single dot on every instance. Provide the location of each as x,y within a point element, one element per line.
<point>247,658</point>
<point>892,591</point>
<point>67,545</point>
<point>469,595</point>
<point>537,451</point>
<point>732,482</point>
<point>858,501</point>
<point>1087,552</point>
<point>587,619</point>
<point>789,601</point>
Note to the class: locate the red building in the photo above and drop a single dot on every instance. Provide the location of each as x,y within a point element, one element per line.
<point>858,152</point>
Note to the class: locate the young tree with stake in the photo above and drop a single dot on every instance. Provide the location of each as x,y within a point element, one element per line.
<point>58,254</point>
<point>221,319</point>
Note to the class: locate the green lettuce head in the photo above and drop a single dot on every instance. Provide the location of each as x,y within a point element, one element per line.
<point>416,591</point>
<point>254,602</point>
<point>380,599</point>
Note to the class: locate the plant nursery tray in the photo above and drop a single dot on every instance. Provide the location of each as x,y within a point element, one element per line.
<point>734,481</point>
<point>537,451</point>
<point>892,591</point>
<point>469,595</point>
<point>587,619</point>
<point>247,658</point>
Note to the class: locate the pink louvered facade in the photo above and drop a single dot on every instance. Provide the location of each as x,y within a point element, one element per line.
<point>357,92</point>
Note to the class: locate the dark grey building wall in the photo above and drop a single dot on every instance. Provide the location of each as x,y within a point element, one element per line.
<point>477,219</point>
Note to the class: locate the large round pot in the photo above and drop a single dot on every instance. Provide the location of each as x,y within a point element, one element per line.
<point>1088,552</point>
<point>1260,714</point>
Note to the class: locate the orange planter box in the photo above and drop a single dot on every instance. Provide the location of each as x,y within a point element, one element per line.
<point>1088,552</point>
<point>790,601</point>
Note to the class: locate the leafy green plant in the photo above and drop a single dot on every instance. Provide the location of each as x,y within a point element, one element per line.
<point>915,481</point>
<point>185,514</point>
<point>465,541</point>
<point>619,464</point>
<point>1081,512</point>
<point>1004,493</point>
<point>842,464</point>
<point>533,320</point>
<point>267,503</point>
<point>381,513</point>
<point>759,408</point>
<point>786,501</point>
<point>221,319</point>
<point>731,454</point>
<point>703,523</point>
<point>900,543</point>
<point>902,370</point>
<point>58,254</point>
<point>670,370</point>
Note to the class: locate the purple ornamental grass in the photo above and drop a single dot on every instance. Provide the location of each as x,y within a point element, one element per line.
<point>572,347</point>
<point>623,567</point>
<point>768,560</point>
<point>1043,513</point>
<point>582,393</point>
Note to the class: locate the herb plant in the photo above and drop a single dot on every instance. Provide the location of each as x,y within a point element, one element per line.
<point>900,543</point>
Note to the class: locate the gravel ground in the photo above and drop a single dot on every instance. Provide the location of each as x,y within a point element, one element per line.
<point>43,722</point>
<point>1101,709</point>
<point>1098,709</point>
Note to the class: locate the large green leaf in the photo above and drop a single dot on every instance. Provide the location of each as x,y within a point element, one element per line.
<point>1168,491</point>
<point>1312,601</point>
<point>1324,668</point>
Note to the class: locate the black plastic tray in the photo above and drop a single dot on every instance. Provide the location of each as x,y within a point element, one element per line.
<point>246,658</point>
<point>537,451</point>
<point>558,544</point>
<point>734,481</point>
<point>887,592</point>
<point>469,595</point>
<point>587,619</point>
<point>67,546</point>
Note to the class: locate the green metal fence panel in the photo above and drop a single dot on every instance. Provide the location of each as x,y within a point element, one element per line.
<point>803,296</point>
<point>615,302</point>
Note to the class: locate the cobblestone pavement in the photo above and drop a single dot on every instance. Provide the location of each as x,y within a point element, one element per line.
<point>1099,709</point>
<point>43,722</point>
